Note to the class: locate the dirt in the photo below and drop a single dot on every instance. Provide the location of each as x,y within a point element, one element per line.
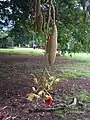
<point>16,82</point>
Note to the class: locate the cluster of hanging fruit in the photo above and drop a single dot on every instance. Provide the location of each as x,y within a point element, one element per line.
<point>47,82</point>
<point>46,22</point>
<point>42,86</point>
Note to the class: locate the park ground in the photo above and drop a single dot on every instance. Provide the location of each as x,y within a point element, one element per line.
<point>16,81</point>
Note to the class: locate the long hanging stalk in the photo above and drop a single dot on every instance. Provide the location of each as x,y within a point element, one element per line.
<point>37,7</point>
<point>53,9</point>
<point>49,18</point>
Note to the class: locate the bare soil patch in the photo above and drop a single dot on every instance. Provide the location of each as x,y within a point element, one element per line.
<point>16,82</point>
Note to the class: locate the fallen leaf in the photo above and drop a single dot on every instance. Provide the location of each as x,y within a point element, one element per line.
<point>30,96</point>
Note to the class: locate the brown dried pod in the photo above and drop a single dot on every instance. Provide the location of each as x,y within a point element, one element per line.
<point>38,15</point>
<point>52,43</point>
<point>39,21</point>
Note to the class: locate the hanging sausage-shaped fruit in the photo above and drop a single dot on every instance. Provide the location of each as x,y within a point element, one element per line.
<point>51,46</point>
<point>38,15</point>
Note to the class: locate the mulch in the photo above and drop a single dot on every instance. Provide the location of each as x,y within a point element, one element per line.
<point>16,82</point>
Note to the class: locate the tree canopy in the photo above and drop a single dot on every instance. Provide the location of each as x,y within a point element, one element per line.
<point>71,19</point>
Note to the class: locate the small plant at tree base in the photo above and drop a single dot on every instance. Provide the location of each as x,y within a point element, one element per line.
<point>46,82</point>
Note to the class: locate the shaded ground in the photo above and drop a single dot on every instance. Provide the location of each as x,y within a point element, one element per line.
<point>16,81</point>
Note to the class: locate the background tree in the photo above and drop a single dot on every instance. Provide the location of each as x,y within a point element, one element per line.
<point>20,16</point>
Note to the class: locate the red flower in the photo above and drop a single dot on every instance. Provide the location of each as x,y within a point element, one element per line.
<point>48,101</point>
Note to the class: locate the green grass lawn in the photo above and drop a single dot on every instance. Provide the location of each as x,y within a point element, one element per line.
<point>22,51</point>
<point>79,56</point>
<point>77,69</point>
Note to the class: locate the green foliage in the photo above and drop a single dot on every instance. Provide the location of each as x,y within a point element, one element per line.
<point>72,30</point>
<point>3,38</point>
<point>3,34</point>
